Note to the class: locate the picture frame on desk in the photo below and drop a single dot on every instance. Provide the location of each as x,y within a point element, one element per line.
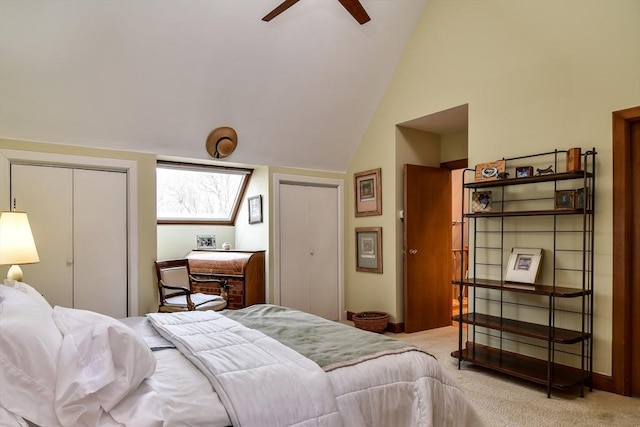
<point>524,265</point>
<point>206,241</point>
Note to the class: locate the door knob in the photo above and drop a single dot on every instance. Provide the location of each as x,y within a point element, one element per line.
<point>69,262</point>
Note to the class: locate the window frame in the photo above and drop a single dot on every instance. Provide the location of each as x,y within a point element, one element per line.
<point>169,164</point>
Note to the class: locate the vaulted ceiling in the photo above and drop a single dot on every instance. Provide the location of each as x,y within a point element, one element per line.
<point>159,76</point>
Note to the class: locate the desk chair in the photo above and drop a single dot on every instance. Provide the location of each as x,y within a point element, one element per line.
<point>174,288</point>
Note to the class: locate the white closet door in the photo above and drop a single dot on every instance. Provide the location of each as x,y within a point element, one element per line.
<point>309,249</point>
<point>79,223</point>
<point>100,241</point>
<point>45,194</point>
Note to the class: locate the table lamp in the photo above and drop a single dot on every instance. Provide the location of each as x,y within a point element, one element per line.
<point>16,243</point>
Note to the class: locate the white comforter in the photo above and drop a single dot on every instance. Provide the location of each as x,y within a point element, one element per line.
<point>408,389</point>
<point>260,381</point>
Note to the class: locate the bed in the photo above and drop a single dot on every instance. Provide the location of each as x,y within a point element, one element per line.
<point>263,365</point>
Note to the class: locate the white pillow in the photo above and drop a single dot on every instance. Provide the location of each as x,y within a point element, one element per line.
<point>30,291</point>
<point>29,347</point>
<point>101,361</point>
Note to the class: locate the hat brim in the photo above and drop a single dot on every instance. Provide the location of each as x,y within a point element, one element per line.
<point>221,142</point>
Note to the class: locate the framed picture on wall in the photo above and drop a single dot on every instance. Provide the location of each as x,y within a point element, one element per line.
<point>369,249</point>
<point>368,192</point>
<point>255,209</point>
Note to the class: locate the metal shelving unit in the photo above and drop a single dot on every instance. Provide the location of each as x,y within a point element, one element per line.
<point>540,332</point>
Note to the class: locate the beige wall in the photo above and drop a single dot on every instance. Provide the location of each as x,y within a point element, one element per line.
<point>146,164</point>
<point>536,76</point>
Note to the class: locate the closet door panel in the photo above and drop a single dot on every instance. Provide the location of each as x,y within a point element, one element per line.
<point>100,241</point>
<point>323,267</point>
<point>45,194</point>
<point>309,249</point>
<point>294,252</point>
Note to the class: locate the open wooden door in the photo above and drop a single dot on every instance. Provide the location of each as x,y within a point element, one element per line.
<point>427,248</point>
<point>626,252</point>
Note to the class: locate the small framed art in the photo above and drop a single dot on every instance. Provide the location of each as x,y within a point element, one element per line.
<point>565,199</point>
<point>524,171</point>
<point>524,265</point>
<point>255,209</point>
<point>369,249</point>
<point>368,192</point>
<point>481,201</point>
<point>205,241</point>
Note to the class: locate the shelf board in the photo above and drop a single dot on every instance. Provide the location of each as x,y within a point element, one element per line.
<point>547,212</point>
<point>561,176</point>
<point>525,367</point>
<point>532,330</point>
<point>556,291</point>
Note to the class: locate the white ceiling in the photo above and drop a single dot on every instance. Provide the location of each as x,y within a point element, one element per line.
<point>158,76</point>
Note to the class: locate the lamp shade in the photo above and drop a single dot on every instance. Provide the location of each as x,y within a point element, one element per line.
<point>16,241</point>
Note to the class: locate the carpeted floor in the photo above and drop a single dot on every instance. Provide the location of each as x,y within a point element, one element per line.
<point>505,401</point>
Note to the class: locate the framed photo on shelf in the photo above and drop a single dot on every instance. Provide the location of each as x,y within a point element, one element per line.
<point>205,241</point>
<point>490,171</point>
<point>524,265</point>
<point>580,198</point>
<point>369,249</point>
<point>368,192</point>
<point>564,199</point>
<point>255,209</point>
<point>481,201</point>
<point>524,171</point>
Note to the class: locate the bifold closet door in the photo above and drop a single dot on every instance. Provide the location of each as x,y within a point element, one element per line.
<point>79,221</point>
<point>46,195</point>
<point>100,241</point>
<point>309,249</point>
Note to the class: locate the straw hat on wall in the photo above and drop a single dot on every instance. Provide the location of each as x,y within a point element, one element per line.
<point>221,142</point>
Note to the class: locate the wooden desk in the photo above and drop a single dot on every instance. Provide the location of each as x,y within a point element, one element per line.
<point>244,270</point>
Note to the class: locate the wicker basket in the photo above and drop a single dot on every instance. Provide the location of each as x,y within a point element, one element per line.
<point>373,321</point>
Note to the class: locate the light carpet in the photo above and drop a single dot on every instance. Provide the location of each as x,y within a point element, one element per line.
<point>502,400</point>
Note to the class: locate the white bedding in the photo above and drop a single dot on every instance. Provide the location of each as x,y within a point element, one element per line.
<point>405,389</point>
<point>246,367</point>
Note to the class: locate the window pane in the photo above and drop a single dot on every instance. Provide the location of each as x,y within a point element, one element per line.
<point>190,194</point>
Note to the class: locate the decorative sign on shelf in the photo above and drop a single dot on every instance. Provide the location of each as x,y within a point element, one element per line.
<point>490,171</point>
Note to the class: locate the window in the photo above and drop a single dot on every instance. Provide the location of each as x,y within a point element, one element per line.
<point>199,194</point>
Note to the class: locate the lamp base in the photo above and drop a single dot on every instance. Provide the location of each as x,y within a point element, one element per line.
<point>15,273</point>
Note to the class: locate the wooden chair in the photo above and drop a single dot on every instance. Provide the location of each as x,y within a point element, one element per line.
<point>174,288</point>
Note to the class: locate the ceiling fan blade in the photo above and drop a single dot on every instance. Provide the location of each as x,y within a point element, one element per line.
<point>286,4</point>
<point>356,10</point>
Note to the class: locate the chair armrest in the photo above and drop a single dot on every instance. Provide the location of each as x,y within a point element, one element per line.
<point>186,291</point>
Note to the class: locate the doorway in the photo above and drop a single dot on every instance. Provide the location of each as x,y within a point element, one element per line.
<point>626,252</point>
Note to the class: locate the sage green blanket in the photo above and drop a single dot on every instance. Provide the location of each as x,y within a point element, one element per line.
<point>329,344</point>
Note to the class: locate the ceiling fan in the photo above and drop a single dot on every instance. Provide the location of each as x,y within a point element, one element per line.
<point>353,7</point>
